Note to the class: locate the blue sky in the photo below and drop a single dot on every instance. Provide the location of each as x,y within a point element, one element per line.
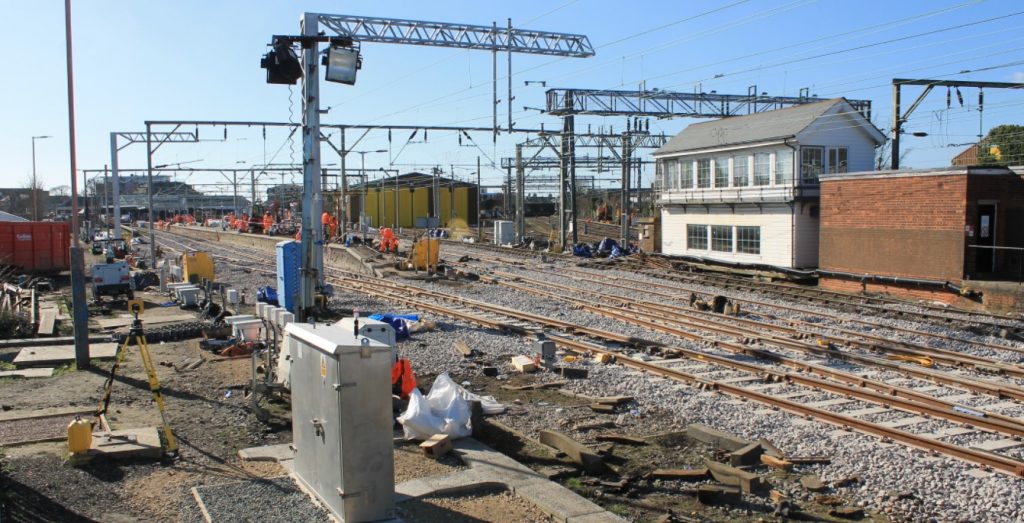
<point>196,59</point>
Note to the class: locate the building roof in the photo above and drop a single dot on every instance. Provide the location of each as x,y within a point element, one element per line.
<point>968,156</point>
<point>955,170</point>
<point>8,217</point>
<point>754,128</point>
<point>414,179</point>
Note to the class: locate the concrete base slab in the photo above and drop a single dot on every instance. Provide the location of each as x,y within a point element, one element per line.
<point>829,403</point>
<point>45,372</point>
<point>490,469</point>
<point>999,444</point>
<point>141,443</point>
<point>978,473</point>
<point>953,431</point>
<point>840,433</point>
<point>559,502</point>
<point>61,354</point>
<point>905,422</point>
<point>867,412</point>
<point>957,398</point>
<point>276,453</point>
<point>1002,405</point>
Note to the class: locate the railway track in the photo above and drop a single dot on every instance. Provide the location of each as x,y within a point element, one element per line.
<point>986,323</point>
<point>746,380</point>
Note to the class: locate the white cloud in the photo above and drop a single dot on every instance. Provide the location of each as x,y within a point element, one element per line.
<point>1017,77</point>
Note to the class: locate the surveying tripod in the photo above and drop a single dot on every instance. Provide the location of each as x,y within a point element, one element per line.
<point>137,336</point>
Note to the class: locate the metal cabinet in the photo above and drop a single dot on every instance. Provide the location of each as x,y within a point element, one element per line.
<point>341,420</point>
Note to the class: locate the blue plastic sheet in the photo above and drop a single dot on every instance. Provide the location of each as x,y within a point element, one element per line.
<point>267,295</point>
<point>399,322</point>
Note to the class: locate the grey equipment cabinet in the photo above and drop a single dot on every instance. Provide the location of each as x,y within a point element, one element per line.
<point>341,420</point>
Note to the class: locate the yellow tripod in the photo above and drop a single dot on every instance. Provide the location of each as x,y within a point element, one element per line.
<point>137,336</point>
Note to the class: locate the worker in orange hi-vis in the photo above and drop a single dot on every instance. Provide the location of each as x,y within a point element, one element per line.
<point>267,222</point>
<point>326,225</point>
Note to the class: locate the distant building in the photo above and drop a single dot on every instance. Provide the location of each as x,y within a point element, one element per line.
<point>18,201</point>
<point>418,194</point>
<point>968,156</point>
<point>745,189</point>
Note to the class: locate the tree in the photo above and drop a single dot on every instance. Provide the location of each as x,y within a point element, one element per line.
<point>1003,145</point>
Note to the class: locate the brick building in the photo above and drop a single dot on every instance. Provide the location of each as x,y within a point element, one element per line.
<point>923,233</point>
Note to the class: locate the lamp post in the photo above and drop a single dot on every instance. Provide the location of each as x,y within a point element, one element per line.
<point>35,195</point>
<point>362,194</point>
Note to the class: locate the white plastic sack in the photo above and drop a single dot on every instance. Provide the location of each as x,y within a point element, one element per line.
<point>445,387</point>
<point>445,410</point>
<point>418,422</point>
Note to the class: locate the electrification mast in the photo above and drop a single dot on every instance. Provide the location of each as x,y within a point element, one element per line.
<point>350,32</point>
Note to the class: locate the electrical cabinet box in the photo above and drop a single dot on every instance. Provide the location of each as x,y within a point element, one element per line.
<point>373,329</point>
<point>504,232</point>
<point>196,266</point>
<point>341,420</point>
<point>289,261</point>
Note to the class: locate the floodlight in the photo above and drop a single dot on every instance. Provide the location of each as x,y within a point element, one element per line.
<point>282,64</point>
<point>342,64</point>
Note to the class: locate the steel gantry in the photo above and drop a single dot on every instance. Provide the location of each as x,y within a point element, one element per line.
<point>673,104</point>
<point>567,103</point>
<point>121,139</point>
<point>621,146</point>
<point>391,31</point>
<point>899,119</point>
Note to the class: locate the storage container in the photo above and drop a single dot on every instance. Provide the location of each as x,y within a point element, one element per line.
<point>36,246</point>
<point>79,436</point>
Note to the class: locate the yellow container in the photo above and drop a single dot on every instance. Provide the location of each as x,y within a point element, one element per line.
<point>424,254</point>
<point>196,266</point>
<point>79,436</point>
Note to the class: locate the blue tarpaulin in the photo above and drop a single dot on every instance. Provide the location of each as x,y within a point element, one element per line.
<point>266,295</point>
<point>582,250</point>
<point>399,322</point>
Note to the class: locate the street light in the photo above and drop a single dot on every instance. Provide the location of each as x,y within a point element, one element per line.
<point>35,196</point>
<point>362,194</point>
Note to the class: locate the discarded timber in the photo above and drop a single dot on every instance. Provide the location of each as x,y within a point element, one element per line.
<point>747,481</point>
<point>464,350</point>
<point>621,438</point>
<point>776,463</point>
<point>680,474</point>
<point>718,438</point>
<point>809,460</point>
<point>602,408</point>
<point>577,452</point>
<point>718,495</point>
<point>749,455</point>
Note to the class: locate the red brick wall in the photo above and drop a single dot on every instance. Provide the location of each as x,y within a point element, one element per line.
<point>910,226</point>
<point>899,291</point>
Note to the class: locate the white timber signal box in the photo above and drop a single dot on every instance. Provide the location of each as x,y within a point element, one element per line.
<point>341,420</point>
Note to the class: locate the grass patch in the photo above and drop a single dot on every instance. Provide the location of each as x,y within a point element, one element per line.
<point>64,369</point>
<point>4,365</point>
<point>619,509</point>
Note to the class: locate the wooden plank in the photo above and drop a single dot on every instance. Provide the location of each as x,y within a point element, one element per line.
<point>577,452</point>
<point>747,481</point>
<point>621,438</point>
<point>776,463</point>
<point>680,474</point>
<point>47,321</point>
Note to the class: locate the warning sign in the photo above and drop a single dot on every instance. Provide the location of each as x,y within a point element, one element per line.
<point>323,366</point>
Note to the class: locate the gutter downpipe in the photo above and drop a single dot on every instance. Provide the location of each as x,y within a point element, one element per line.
<point>792,209</point>
<point>865,277</point>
